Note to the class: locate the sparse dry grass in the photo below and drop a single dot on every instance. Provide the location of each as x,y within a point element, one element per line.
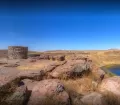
<point>37,65</point>
<point>81,85</point>
<point>100,57</point>
<point>30,67</point>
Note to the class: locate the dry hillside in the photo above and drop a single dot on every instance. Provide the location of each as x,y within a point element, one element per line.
<point>100,57</point>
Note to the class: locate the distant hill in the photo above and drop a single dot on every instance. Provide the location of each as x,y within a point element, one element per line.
<point>113,49</point>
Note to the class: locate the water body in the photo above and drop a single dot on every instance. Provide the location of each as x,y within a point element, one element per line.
<point>115,70</point>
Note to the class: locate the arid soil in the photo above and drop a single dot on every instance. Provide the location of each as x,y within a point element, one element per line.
<point>56,78</point>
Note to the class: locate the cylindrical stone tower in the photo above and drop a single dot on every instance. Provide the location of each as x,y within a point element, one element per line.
<point>17,52</point>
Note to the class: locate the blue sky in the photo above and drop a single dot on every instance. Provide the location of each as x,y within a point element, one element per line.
<point>74,27</point>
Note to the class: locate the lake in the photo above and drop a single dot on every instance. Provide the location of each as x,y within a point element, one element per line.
<point>115,70</point>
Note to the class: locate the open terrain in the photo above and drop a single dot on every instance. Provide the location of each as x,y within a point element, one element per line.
<point>100,57</point>
<point>59,78</point>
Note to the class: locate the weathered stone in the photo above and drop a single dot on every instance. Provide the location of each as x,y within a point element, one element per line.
<point>111,84</point>
<point>49,92</point>
<point>19,97</point>
<point>71,69</point>
<point>75,98</point>
<point>93,99</point>
<point>8,78</point>
<point>30,83</point>
<point>31,74</point>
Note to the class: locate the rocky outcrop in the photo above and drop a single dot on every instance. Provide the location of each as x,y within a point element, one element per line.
<point>8,79</point>
<point>12,76</point>
<point>111,84</point>
<point>71,69</point>
<point>49,92</point>
<point>52,57</point>
<point>44,85</point>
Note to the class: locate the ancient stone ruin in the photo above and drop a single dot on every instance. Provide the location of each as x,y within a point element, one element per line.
<point>17,52</point>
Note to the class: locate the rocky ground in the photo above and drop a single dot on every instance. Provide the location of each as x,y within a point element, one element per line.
<point>56,79</point>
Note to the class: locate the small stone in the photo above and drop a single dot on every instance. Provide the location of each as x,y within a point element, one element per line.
<point>60,88</point>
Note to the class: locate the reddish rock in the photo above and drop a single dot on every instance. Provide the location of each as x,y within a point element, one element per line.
<point>29,83</point>
<point>71,69</point>
<point>31,74</point>
<point>93,99</point>
<point>49,92</point>
<point>111,84</point>
<point>8,77</point>
<point>52,66</point>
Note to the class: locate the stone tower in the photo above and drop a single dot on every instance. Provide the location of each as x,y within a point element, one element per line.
<point>17,52</point>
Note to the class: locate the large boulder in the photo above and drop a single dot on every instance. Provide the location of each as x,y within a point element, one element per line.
<point>54,65</point>
<point>93,99</point>
<point>111,84</point>
<point>71,69</point>
<point>49,92</point>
